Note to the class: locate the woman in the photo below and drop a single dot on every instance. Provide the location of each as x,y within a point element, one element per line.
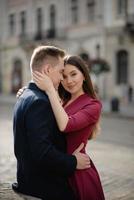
<point>77,118</point>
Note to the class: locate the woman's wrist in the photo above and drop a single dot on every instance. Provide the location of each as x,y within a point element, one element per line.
<point>50,91</point>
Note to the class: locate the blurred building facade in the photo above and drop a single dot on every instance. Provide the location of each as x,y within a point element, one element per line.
<point>99,28</point>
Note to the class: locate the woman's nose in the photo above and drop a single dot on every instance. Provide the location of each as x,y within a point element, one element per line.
<point>69,80</point>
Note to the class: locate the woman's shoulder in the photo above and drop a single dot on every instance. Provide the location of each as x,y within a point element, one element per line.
<point>88,101</point>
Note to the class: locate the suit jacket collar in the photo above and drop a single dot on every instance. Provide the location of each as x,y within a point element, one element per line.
<point>33,86</point>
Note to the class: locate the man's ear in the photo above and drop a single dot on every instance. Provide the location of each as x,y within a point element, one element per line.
<point>47,69</point>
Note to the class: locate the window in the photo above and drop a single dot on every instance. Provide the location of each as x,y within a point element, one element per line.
<point>52,17</point>
<point>52,31</point>
<point>122,7</point>
<point>23,23</point>
<point>74,8</point>
<point>90,10</point>
<point>39,20</point>
<point>39,23</point>
<point>122,67</point>
<point>12,24</point>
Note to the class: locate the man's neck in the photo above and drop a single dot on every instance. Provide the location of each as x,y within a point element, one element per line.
<point>32,81</point>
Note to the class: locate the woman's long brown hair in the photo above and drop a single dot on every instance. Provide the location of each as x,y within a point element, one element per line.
<point>87,84</point>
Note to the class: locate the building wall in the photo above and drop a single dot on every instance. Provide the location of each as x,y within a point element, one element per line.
<point>107,30</point>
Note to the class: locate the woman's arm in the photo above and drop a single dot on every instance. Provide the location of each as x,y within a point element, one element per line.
<point>45,84</point>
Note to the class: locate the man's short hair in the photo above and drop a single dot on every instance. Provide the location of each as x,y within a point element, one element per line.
<point>45,53</point>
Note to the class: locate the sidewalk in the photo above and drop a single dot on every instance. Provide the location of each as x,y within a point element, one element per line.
<point>126,110</point>
<point>112,152</point>
<point>9,99</point>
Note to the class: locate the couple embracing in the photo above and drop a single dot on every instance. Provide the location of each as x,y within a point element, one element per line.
<point>53,119</point>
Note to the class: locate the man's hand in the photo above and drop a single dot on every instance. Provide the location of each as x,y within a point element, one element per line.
<point>83,160</point>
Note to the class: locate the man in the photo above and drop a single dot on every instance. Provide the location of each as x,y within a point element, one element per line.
<point>43,167</point>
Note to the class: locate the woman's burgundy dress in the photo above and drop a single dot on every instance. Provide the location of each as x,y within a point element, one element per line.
<point>83,113</point>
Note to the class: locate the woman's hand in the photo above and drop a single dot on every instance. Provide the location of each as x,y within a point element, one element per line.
<point>46,84</point>
<point>20,91</point>
<point>42,81</point>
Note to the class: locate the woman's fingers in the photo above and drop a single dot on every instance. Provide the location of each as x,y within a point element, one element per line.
<point>39,74</point>
<point>42,81</point>
<point>37,77</point>
<point>20,91</point>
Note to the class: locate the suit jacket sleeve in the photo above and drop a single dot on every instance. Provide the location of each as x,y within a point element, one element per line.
<point>43,151</point>
<point>88,114</point>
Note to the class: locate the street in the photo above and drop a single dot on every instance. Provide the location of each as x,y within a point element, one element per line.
<point>112,153</point>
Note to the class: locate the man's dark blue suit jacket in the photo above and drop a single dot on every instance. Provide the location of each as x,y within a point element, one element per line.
<point>43,166</point>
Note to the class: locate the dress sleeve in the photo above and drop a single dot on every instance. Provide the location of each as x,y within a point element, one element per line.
<point>89,114</point>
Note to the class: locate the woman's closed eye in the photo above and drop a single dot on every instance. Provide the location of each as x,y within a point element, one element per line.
<point>74,74</point>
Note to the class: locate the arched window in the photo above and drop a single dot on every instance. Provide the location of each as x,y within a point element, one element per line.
<point>122,66</point>
<point>85,57</point>
<point>16,76</point>
<point>74,8</point>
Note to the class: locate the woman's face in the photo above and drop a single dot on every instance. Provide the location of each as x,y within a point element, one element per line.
<point>73,80</point>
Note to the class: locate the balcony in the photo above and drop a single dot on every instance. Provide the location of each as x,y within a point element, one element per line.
<point>31,40</point>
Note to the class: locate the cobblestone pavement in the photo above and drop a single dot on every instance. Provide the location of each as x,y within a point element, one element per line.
<point>112,153</point>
